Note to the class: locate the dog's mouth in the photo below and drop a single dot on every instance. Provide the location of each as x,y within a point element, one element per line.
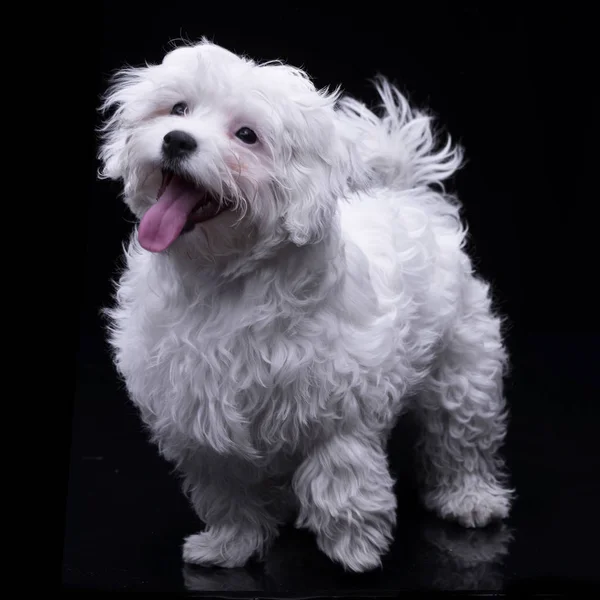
<point>180,206</point>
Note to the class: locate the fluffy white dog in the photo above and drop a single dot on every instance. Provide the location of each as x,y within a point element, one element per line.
<point>298,279</point>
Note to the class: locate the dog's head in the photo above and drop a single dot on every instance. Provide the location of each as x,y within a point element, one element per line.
<point>208,139</point>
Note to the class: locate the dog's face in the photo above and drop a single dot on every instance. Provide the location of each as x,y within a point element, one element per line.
<point>210,140</point>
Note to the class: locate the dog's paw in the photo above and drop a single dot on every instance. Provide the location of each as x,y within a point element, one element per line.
<point>472,506</point>
<point>222,547</point>
<point>357,546</point>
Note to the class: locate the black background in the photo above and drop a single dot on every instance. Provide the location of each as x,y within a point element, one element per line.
<point>512,89</point>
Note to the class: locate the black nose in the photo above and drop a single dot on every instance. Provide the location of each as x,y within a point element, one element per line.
<point>177,144</point>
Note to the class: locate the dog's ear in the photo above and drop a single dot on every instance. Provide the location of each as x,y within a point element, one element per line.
<point>322,173</point>
<point>111,154</point>
<point>308,217</point>
<point>117,107</point>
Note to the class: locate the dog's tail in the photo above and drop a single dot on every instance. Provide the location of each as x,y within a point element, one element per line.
<point>399,146</point>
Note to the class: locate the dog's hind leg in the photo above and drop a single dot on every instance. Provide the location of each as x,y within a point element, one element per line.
<point>463,418</point>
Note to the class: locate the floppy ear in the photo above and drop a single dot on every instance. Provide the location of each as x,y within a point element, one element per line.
<point>320,178</point>
<point>111,154</point>
<point>126,86</point>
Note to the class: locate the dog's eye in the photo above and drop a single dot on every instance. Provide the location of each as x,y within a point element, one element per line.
<point>246,135</point>
<point>179,109</point>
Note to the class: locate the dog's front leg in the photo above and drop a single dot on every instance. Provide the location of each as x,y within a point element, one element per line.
<point>346,499</point>
<point>231,498</point>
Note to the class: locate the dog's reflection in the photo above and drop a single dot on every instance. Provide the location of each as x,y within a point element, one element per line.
<point>205,579</point>
<point>455,558</point>
<point>447,557</point>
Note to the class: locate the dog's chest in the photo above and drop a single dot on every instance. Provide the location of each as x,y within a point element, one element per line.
<point>224,373</point>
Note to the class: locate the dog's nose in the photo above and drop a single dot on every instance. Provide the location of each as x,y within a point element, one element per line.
<point>177,144</point>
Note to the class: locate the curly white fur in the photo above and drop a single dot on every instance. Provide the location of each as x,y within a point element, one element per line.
<point>271,350</point>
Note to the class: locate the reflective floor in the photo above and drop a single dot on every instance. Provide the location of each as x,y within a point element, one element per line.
<point>126,517</point>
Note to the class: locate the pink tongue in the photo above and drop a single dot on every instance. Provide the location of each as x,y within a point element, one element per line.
<point>164,221</point>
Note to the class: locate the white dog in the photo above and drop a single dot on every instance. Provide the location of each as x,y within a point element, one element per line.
<point>298,279</point>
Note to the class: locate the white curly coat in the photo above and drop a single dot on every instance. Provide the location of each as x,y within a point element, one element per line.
<point>271,350</point>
